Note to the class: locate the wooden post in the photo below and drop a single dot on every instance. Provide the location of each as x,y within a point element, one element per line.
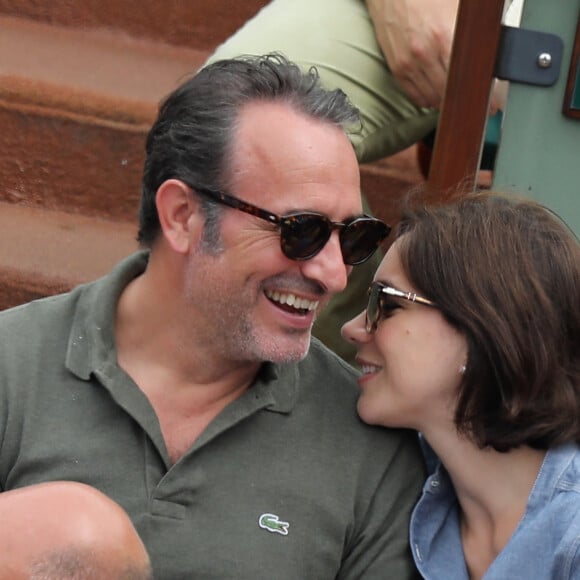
<point>460,131</point>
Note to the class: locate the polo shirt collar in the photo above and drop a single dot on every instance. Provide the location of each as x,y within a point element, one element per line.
<point>280,383</point>
<point>91,343</point>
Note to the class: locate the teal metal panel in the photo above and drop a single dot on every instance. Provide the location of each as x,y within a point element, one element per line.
<point>539,148</point>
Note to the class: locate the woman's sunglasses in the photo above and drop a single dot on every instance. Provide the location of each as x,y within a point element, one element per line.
<point>304,234</point>
<point>381,303</point>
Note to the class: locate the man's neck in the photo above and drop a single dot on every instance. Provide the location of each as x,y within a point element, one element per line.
<point>186,383</point>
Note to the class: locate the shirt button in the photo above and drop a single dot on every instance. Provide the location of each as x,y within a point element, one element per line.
<point>435,484</point>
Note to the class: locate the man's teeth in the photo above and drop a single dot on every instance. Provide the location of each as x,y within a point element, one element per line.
<point>292,300</point>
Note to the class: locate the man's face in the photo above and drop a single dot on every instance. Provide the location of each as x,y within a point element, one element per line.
<point>257,303</point>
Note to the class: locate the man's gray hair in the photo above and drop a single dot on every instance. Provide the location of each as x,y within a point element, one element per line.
<point>191,140</point>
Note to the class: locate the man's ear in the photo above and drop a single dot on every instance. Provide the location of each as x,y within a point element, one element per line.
<point>180,215</point>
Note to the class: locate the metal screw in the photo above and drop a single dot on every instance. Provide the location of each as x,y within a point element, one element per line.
<point>545,60</point>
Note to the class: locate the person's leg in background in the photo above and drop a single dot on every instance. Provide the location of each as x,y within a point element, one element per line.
<point>337,37</point>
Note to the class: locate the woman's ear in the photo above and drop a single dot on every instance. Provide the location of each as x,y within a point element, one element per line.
<point>179,215</point>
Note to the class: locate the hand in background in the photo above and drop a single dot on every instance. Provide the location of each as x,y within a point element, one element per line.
<point>416,37</point>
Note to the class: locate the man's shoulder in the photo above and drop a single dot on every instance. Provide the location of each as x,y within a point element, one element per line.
<point>31,317</point>
<point>54,314</point>
<point>34,338</point>
<point>330,376</point>
<point>331,383</point>
<point>321,359</point>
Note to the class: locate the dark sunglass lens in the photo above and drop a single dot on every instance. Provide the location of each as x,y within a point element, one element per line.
<point>303,235</point>
<point>360,239</point>
<point>373,313</point>
<point>387,305</point>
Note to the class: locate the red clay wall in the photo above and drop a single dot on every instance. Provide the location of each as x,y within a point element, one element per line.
<point>196,23</point>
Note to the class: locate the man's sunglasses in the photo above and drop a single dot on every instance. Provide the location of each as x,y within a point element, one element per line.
<point>381,303</point>
<point>304,234</point>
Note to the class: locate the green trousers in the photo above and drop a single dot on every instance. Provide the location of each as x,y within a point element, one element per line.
<point>337,37</point>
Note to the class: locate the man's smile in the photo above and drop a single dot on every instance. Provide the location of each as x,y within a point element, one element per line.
<point>292,302</point>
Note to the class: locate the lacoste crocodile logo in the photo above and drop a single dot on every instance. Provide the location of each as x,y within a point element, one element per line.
<point>272,523</point>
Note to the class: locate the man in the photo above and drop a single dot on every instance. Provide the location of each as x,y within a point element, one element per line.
<point>184,385</point>
<point>390,57</point>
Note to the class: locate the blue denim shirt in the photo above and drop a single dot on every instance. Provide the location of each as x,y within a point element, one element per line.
<point>544,546</point>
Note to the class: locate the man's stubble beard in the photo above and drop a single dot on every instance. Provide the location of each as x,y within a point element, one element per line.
<point>228,322</point>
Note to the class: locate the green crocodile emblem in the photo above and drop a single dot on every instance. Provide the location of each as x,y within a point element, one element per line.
<point>272,523</point>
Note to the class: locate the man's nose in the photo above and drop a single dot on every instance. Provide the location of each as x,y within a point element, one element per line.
<point>328,267</point>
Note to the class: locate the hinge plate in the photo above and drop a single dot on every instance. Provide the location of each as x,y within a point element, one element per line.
<point>529,56</point>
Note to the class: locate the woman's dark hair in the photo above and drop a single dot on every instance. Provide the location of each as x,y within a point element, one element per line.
<point>505,271</point>
<point>192,138</point>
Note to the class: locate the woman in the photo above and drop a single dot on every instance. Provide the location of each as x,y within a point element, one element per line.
<point>472,337</point>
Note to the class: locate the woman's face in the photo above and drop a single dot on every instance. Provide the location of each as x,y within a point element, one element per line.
<point>412,364</point>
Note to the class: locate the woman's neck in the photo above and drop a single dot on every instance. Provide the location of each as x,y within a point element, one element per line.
<point>492,490</point>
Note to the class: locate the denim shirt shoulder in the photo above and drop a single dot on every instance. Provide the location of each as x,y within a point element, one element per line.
<point>544,546</point>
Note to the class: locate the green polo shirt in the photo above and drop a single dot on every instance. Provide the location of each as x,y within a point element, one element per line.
<point>285,483</point>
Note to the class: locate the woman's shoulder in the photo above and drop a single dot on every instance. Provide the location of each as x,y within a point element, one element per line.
<point>563,463</point>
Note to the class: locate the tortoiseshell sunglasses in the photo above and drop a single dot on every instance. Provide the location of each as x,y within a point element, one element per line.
<point>304,234</point>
